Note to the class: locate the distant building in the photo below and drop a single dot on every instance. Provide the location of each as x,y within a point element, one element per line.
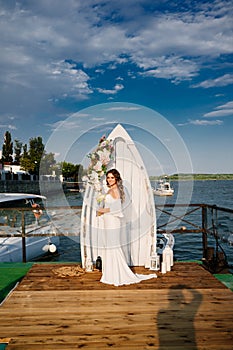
<point>12,168</point>
<point>13,172</point>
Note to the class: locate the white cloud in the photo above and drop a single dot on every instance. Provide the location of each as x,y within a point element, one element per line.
<point>171,45</point>
<point>226,79</point>
<point>206,122</point>
<point>174,68</point>
<point>221,111</point>
<point>226,105</point>
<point>123,109</point>
<point>8,126</point>
<point>65,125</point>
<point>74,81</point>
<point>116,88</point>
<point>56,155</point>
<point>54,50</point>
<point>202,122</point>
<point>7,120</point>
<point>98,119</point>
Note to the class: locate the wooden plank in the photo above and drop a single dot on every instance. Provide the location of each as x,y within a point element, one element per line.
<point>52,312</point>
<point>44,277</point>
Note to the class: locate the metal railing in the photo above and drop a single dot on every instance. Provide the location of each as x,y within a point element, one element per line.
<point>214,223</point>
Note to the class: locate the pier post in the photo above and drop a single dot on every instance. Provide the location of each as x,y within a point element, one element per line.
<point>204,231</point>
<point>23,238</point>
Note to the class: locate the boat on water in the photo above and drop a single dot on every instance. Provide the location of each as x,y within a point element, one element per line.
<point>37,227</point>
<point>164,188</point>
<point>139,240</point>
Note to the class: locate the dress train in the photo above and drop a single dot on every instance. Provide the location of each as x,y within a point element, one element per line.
<point>115,268</point>
<point>117,272</point>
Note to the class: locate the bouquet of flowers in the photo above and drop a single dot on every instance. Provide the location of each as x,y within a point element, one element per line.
<point>99,160</point>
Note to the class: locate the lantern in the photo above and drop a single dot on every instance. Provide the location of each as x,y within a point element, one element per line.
<point>168,258</point>
<point>89,265</point>
<point>155,262</point>
<point>98,263</point>
<point>163,267</point>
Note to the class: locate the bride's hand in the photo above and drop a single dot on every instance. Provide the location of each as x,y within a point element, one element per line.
<point>100,212</point>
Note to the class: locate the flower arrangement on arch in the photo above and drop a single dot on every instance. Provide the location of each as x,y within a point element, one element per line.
<point>99,160</point>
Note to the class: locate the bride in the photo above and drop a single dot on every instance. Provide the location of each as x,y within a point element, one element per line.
<point>114,265</point>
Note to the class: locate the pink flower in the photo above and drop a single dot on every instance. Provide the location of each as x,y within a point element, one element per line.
<point>98,166</point>
<point>104,156</point>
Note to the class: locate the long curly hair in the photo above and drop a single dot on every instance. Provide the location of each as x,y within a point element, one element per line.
<point>118,178</point>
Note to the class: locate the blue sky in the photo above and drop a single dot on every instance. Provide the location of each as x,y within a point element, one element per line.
<point>172,59</point>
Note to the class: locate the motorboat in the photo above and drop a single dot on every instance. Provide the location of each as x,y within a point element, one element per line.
<point>137,247</point>
<point>40,232</point>
<point>164,188</point>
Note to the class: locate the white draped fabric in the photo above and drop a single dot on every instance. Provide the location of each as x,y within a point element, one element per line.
<point>116,270</point>
<point>133,226</point>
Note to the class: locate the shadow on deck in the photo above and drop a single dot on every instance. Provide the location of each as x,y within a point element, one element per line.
<point>57,306</point>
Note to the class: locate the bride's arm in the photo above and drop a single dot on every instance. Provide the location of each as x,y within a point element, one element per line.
<point>102,211</point>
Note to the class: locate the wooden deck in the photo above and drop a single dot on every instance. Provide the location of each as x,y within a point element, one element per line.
<point>186,308</point>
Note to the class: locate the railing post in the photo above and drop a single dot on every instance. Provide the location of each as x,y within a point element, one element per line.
<point>23,238</point>
<point>204,231</point>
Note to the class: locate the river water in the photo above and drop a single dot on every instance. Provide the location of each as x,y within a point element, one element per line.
<point>187,246</point>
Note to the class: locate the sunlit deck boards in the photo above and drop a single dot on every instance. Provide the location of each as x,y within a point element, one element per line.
<point>185,309</point>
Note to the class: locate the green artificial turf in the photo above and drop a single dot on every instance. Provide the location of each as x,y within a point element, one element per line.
<point>10,274</point>
<point>226,279</point>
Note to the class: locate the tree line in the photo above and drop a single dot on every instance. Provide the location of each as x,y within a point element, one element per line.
<point>34,160</point>
<point>190,177</point>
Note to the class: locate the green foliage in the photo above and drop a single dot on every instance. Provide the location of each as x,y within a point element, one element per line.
<point>36,150</point>
<point>7,148</point>
<point>30,160</point>
<point>27,165</point>
<point>71,171</point>
<point>188,177</point>
<point>25,150</point>
<point>202,177</point>
<point>18,149</point>
<point>35,160</point>
<point>47,164</point>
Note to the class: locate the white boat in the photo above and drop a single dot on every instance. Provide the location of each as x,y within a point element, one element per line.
<point>139,241</point>
<point>36,223</point>
<point>164,188</point>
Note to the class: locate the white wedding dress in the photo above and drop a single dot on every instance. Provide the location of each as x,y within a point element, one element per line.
<point>115,269</point>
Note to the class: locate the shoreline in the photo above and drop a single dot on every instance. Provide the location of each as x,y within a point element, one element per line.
<point>195,177</point>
